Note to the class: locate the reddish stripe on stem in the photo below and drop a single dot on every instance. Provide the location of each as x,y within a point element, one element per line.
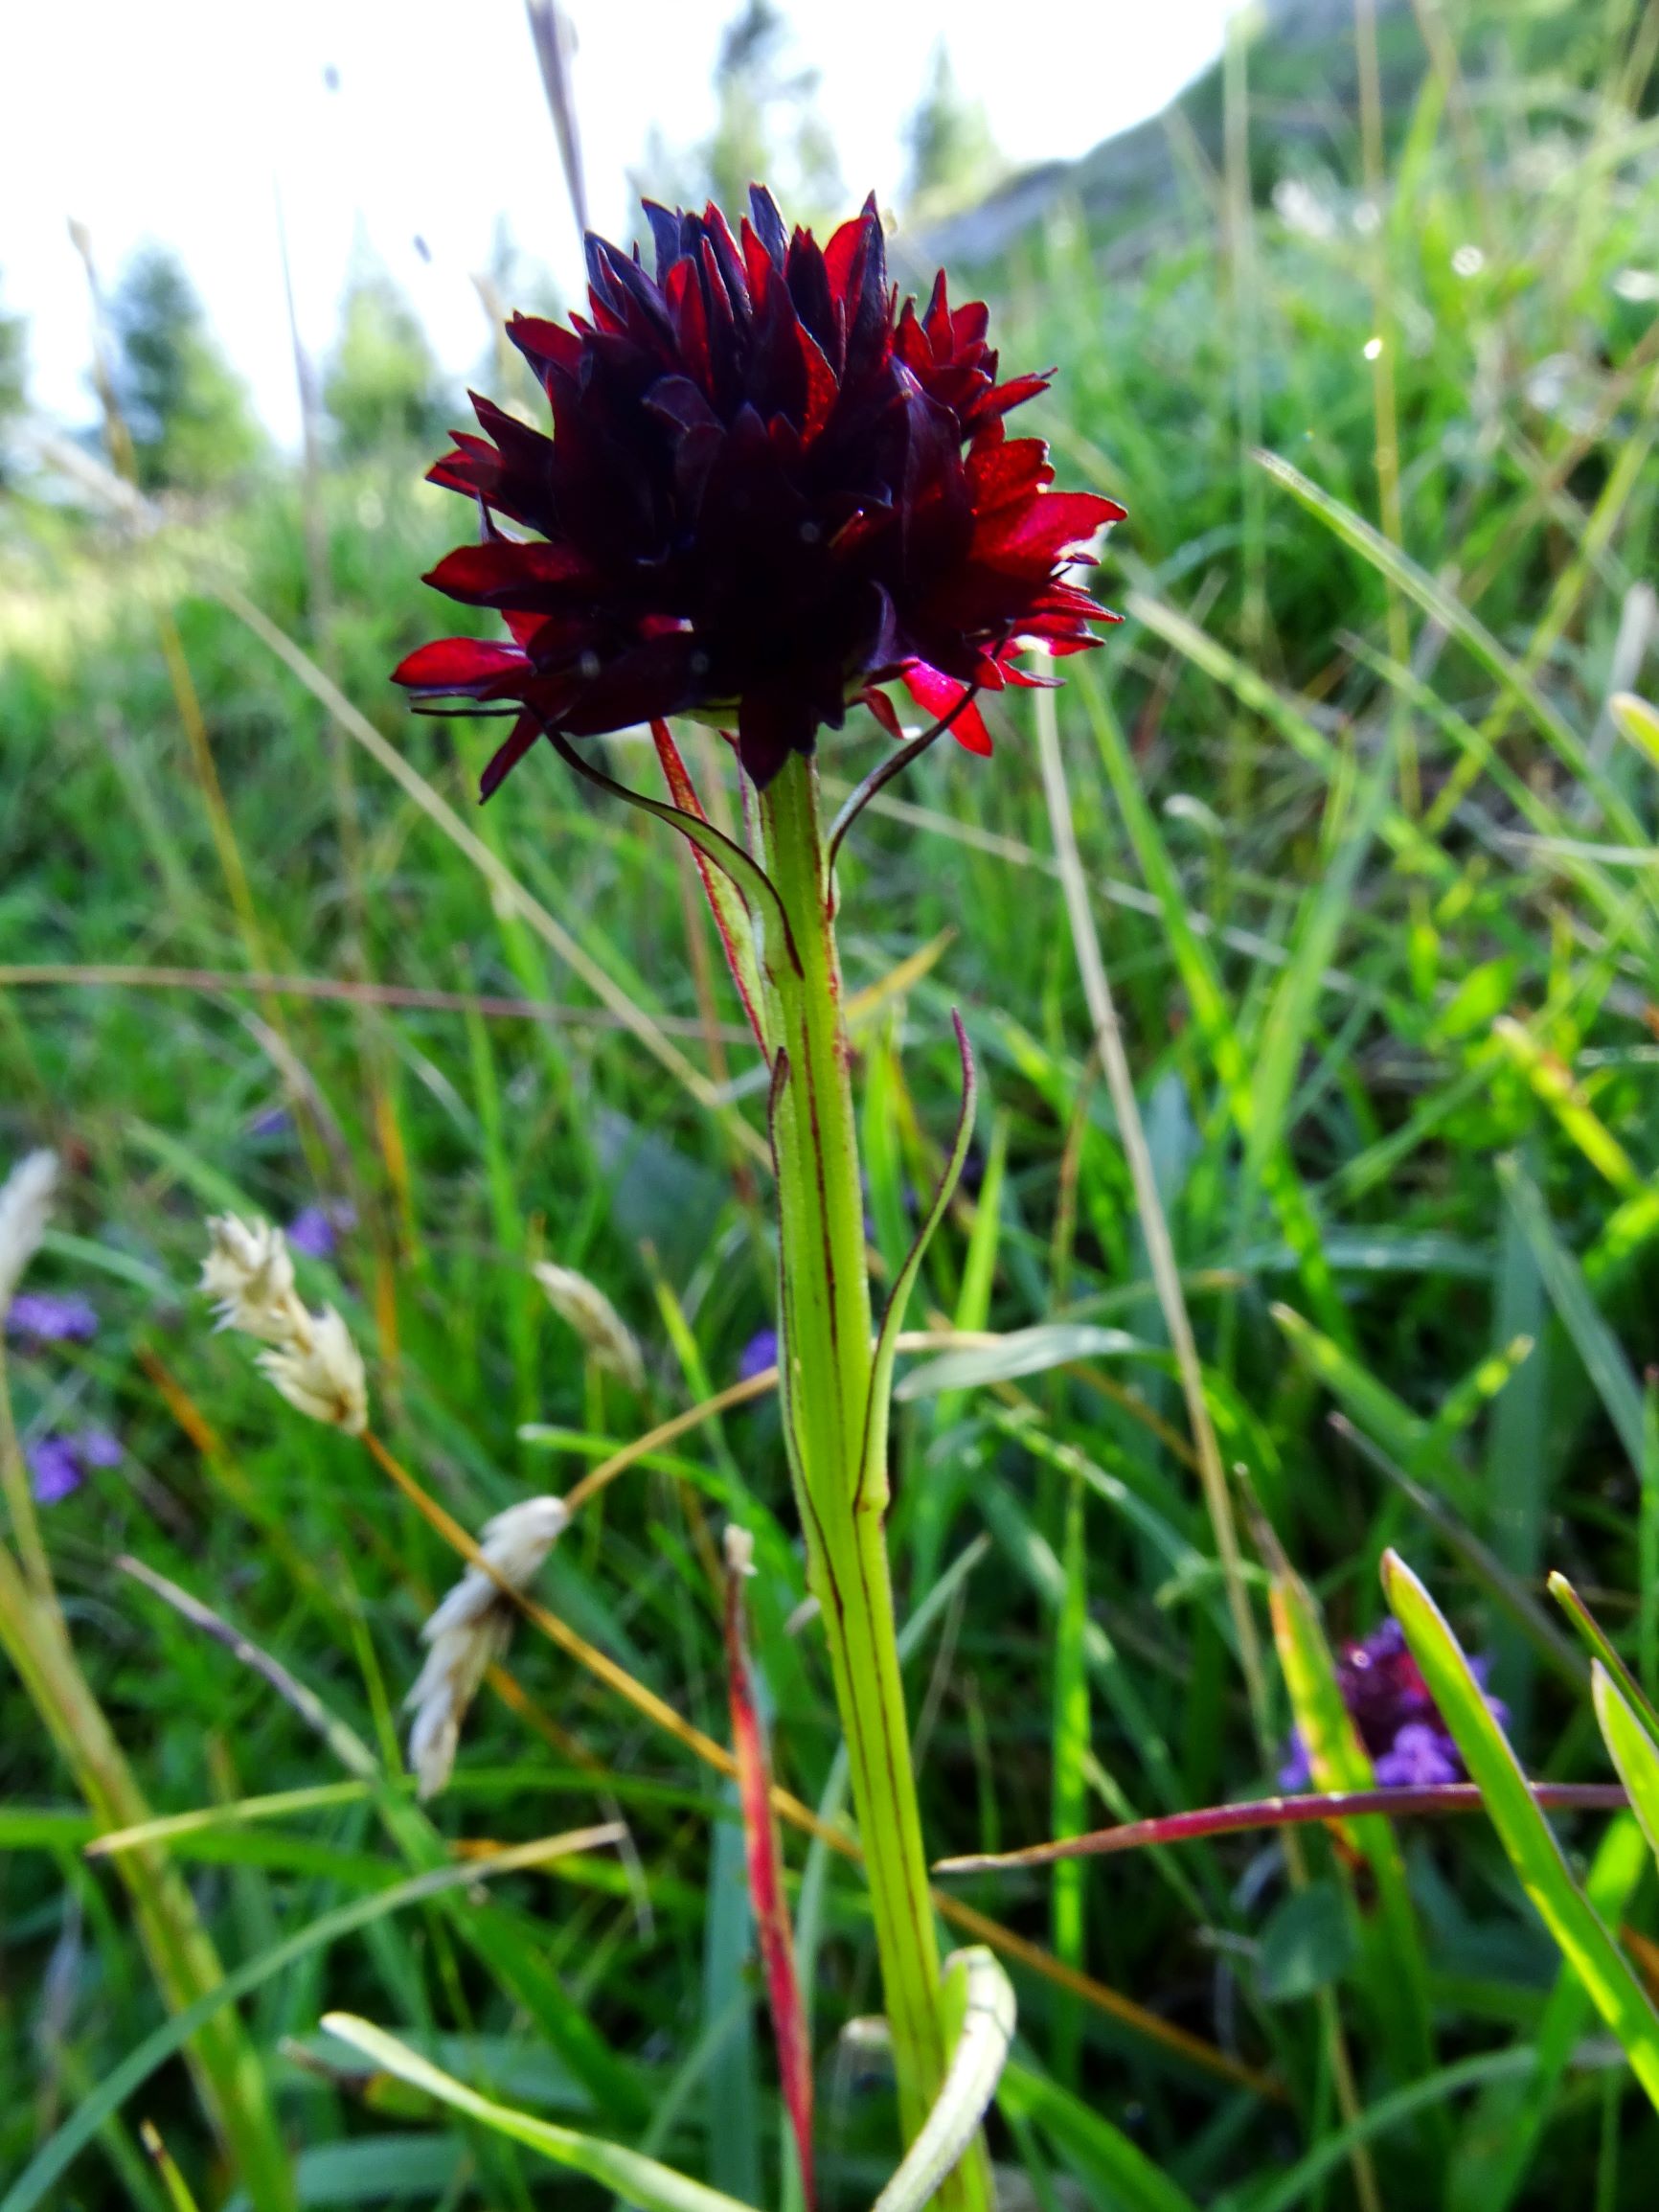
<point>764,1854</point>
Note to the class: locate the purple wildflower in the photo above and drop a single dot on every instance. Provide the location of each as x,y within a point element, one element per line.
<point>54,1468</point>
<point>759,1353</point>
<point>60,1461</point>
<point>1421,1755</point>
<point>43,1317</point>
<point>314,1230</point>
<point>1390,1705</point>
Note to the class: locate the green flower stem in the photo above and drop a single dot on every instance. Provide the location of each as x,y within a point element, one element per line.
<point>825,1327</point>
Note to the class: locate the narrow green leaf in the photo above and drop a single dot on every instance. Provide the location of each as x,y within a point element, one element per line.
<point>1070,1738</point>
<point>1496,2141</point>
<point>1391,2112</point>
<point>1601,1647</point>
<point>1444,607</point>
<point>1395,1972</point>
<point>1637,723</point>
<point>1596,1344</point>
<point>1021,1352</point>
<point>980,1991</point>
<point>55,2154</point>
<point>637,2180</point>
<point>1631,1749</point>
<point>873,1480</point>
<point>1104,2155</point>
<point>1525,1832</point>
<point>1406,1436</point>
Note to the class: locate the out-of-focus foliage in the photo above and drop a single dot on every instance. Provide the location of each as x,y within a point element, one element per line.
<point>382,388</point>
<point>952,154</point>
<point>188,412</point>
<point>767,124</point>
<point>13,380</point>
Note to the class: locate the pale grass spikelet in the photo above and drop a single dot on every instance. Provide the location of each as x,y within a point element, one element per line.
<point>25,1206</point>
<point>250,1279</point>
<point>322,1376</point>
<point>609,1340</point>
<point>471,1629</point>
<point>310,1357</point>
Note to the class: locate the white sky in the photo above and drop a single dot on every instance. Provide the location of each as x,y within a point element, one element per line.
<point>182,119</point>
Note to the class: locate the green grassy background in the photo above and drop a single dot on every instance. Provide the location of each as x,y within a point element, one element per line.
<point>1370,868</point>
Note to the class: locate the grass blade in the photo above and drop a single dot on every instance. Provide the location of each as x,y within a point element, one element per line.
<point>1526,1834</point>
<point>983,1997</point>
<point>636,2180</point>
<point>1632,1750</point>
<point>54,2157</point>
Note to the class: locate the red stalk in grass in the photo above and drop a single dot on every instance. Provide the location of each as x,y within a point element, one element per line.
<point>1436,1798</point>
<point>763,1851</point>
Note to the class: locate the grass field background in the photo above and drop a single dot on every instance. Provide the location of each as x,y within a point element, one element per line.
<point>1370,864</point>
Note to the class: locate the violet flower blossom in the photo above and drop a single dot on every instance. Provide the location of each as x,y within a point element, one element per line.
<point>1397,1720</point>
<point>44,1317</point>
<point>62,1460</point>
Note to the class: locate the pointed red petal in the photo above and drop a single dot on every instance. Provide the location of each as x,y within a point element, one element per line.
<point>525,732</point>
<point>884,711</point>
<point>456,665</point>
<point>938,693</point>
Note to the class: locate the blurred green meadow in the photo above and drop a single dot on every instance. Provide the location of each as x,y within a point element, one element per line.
<point>1369,856</point>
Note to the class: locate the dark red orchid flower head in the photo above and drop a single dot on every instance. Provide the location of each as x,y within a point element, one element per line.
<point>768,491</point>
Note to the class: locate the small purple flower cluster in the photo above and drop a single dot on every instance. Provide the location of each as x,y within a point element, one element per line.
<point>42,1317</point>
<point>314,1232</point>
<point>759,1353</point>
<point>62,1460</point>
<point>1397,1720</point>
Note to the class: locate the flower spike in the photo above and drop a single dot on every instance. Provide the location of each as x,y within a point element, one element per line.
<point>769,490</point>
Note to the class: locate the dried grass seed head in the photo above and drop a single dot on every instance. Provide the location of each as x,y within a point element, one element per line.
<point>26,1199</point>
<point>323,1376</point>
<point>250,1279</point>
<point>471,1629</point>
<point>606,1338</point>
<point>310,1357</point>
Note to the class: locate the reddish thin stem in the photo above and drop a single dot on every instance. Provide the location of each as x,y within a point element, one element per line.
<point>1442,1797</point>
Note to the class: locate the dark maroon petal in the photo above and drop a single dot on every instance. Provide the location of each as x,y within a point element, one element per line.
<point>884,709</point>
<point>543,343</point>
<point>772,723</point>
<point>525,732</point>
<point>666,235</point>
<point>503,573</point>
<point>729,260</point>
<point>1040,533</point>
<point>809,286</point>
<point>768,224</point>
<point>457,667</point>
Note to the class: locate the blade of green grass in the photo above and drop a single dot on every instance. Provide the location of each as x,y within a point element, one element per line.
<point>635,2179</point>
<point>1632,1748</point>
<point>55,2156</point>
<point>1525,1832</point>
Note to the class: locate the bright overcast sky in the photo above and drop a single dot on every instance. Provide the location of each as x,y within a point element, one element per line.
<point>183,121</point>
